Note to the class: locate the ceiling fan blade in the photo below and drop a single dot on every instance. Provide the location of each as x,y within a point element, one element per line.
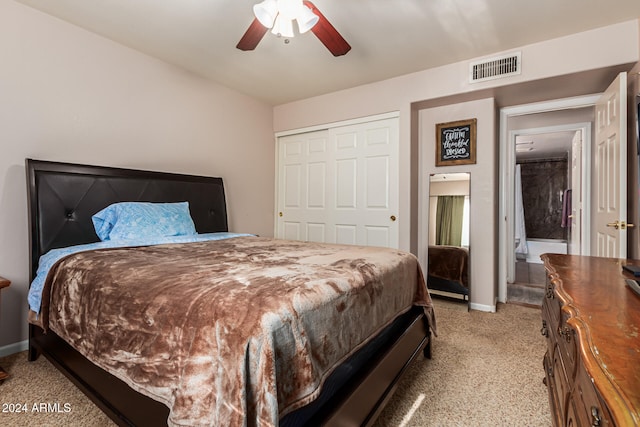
<point>327,34</point>
<point>252,36</point>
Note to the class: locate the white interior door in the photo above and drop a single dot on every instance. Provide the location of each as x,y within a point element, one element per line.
<point>575,232</point>
<point>340,185</point>
<point>611,170</point>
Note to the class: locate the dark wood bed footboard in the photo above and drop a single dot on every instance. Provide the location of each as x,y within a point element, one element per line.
<point>357,404</point>
<point>115,398</point>
<point>366,398</point>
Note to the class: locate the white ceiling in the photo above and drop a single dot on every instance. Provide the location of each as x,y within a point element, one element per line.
<point>388,37</point>
<point>544,145</point>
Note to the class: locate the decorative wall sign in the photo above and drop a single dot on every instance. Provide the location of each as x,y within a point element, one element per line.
<point>456,143</point>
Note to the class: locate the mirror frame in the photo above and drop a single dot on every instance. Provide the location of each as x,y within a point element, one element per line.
<point>438,283</point>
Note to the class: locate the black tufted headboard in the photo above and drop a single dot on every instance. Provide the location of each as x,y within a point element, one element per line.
<point>63,197</point>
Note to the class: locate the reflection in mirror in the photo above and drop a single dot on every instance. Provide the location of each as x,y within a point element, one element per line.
<point>448,261</point>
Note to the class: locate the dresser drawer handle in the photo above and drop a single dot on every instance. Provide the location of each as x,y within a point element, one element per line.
<point>565,332</point>
<point>544,331</point>
<point>595,417</point>
<point>549,291</point>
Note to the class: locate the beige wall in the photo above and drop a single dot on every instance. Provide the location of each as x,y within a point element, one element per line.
<point>69,95</point>
<point>482,232</point>
<point>551,69</point>
<point>615,44</point>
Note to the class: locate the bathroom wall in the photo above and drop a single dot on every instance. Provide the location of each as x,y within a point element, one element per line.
<point>543,186</point>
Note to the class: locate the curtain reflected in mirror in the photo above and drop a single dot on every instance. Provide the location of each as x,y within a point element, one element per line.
<point>449,220</point>
<point>449,217</point>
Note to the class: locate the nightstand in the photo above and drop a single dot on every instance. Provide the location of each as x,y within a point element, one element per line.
<point>3,284</point>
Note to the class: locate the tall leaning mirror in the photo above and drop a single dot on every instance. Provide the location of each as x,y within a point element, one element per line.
<point>448,251</point>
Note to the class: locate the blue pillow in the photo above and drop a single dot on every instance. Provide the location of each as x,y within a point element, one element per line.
<point>134,220</point>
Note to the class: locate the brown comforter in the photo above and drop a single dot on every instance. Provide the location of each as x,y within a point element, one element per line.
<point>233,332</point>
<point>450,263</point>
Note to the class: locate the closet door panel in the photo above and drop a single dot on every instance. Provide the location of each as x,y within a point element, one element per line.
<point>340,185</point>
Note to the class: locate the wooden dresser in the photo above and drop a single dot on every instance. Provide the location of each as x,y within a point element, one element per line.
<point>591,320</point>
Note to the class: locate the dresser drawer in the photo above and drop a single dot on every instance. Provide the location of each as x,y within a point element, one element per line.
<point>551,305</point>
<point>554,400</point>
<point>567,346</point>
<point>559,380</point>
<point>590,409</point>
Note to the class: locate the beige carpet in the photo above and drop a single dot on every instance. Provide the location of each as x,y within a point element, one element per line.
<point>486,371</point>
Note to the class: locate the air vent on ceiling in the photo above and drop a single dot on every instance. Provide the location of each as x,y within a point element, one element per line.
<point>494,68</point>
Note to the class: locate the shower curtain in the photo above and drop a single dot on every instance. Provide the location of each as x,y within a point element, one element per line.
<point>521,233</point>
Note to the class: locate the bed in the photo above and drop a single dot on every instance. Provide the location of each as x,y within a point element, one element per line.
<point>448,269</point>
<point>358,374</point>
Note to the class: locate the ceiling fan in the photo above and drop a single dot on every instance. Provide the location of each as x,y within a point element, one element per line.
<point>278,15</point>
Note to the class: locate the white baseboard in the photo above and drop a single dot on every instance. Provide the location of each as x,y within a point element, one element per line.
<point>482,307</point>
<point>14,348</point>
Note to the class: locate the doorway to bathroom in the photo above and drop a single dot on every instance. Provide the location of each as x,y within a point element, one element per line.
<point>551,208</point>
<point>546,150</point>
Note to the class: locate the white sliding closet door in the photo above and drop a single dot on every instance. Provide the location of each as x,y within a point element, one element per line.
<point>303,186</point>
<point>340,185</point>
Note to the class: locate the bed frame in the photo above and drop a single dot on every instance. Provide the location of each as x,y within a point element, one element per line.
<point>62,197</point>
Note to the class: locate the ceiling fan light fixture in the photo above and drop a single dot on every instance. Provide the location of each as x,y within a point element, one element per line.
<point>280,19</point>
<point>266,12</point>
<point>283,27</point>
<point>290,9</point>
<point>306,19</point>
<point>280,14</point>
